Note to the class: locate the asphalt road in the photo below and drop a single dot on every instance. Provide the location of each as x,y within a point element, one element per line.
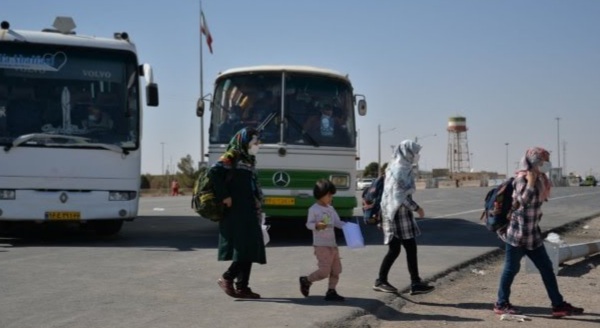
<point>161,270</point>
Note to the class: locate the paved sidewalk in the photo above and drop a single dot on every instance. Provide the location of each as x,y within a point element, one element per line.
<point>465,298</point>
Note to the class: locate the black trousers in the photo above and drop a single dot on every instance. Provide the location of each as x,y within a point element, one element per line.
<point>410,246</point>
<point>240,272</point>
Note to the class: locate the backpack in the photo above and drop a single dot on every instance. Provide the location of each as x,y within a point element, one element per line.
<point>372,196</point>
<point>498,206</point>
<point>203,198</point>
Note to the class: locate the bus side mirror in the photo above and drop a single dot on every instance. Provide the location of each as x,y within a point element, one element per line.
<point>362,107</point>
<point>200,107</point>
<point>152,94</point>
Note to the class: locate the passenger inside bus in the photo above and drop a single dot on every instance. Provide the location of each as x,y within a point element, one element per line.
<point>3,103</point>
<point>264,105</point>
<point>23,112</point>
<point>231,124</point>
<point>326,126</point>
<point>97,119</point>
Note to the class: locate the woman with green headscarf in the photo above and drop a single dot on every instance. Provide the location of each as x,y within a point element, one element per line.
<point>240,234</point>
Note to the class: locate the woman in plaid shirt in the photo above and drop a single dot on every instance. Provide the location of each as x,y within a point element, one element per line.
<point>524,237</point>
<point>398,223</point>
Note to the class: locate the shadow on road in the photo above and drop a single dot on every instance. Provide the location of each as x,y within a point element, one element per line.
<point>185,233</point>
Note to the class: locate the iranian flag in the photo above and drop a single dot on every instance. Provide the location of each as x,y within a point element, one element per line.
<point>204,29</point>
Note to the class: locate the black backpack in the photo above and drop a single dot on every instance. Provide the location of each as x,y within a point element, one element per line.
<point>372,196</point>
<point>498,206</point>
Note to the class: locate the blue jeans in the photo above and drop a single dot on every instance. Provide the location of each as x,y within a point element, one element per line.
<point>512,264</point>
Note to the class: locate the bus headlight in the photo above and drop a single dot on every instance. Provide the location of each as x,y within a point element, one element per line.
<point>121,195</point>
<point>340,180</point>
<point>7,194</point>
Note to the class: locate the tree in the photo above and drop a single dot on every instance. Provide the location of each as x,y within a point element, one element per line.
<point>187,174</point>
<point>145,183</point>
<point>371,170</point>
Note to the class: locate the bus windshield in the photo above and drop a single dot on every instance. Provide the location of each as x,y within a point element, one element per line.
<point>313,110</point>
<point>60,96</point>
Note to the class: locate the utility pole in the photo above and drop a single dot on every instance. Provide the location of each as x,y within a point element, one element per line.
<point>558,139</point>
<point>565,158</point>
<point>378,149</point>
<point>162,166</point>
<point>379,132</point>
<point>506,144</point>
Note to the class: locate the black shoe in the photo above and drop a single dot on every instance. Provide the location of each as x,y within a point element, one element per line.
<point>421,288</point>
<point>384,286</point>
<point>227,286</point>
<point>332,295</point>
<point>246,292</point>
<point>304,285</point>
<point>565,309</point>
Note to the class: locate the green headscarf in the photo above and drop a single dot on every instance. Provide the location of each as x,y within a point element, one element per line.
<point>237,150</point>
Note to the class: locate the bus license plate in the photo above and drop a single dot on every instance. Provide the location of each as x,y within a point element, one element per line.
<point>63,216</point>
<point>286,201</point>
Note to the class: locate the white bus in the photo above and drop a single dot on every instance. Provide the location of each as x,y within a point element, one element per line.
<point>308,127</point>
<point>70,127</point>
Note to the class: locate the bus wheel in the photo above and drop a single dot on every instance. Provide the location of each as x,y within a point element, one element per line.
<point>107,227</point>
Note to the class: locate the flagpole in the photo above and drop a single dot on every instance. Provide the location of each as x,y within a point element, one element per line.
<point>201,89</point>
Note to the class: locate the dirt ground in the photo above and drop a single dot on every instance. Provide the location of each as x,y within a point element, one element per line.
<point>464,298</point>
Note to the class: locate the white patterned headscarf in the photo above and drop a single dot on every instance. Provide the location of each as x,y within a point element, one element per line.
<point>399,178</point>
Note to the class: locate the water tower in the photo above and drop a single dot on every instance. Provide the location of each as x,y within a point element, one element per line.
<point>458,146</point>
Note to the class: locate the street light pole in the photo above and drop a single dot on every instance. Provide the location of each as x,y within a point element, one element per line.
<point>378,149</point>
<point>379,132</point>
<point>162,166</point>
<point>425,136</point>
<point>506,159</point>
<point>417,141</point>
<point>472,160</point>
<point>558,139</point>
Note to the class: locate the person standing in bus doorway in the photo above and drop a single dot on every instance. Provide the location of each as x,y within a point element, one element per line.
<point>240,233</point>
<point>398,223</point>
<point>523,235</point>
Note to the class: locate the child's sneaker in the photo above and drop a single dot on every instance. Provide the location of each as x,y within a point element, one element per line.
<point>384,286</point>
<point>420,288</point>
<point>332,295</point>
<point>505,308</point>
<point>565,309</point>
<point>304,285</point>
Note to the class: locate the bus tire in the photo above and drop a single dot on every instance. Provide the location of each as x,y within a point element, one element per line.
<point>107,227</point>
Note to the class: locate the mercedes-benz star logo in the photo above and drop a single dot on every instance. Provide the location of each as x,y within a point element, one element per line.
<point>281,179</point>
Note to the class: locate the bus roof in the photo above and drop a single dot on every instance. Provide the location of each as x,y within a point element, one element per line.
<point>50,37</point>
<point>286,68</point>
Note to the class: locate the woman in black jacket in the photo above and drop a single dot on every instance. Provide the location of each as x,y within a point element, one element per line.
<point>240,234</point>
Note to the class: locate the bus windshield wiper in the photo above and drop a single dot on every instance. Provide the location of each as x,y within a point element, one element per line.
<point>266,121</point>
<point>304,133</point>
<point>28,137</point>
<point>110,147</point>
<point>79,142</point>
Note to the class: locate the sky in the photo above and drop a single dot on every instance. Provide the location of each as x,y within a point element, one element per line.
<point>510,67</point>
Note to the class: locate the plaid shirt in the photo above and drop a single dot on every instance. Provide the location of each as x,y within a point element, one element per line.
<point>403,226</point>
<point>523,229</point>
